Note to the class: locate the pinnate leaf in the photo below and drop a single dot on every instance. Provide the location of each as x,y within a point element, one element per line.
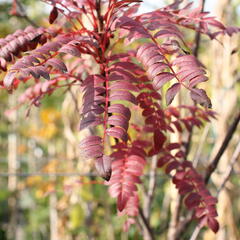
<point>9,79</point>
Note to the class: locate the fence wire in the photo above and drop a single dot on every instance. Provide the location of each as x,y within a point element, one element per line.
<point>71,174</point>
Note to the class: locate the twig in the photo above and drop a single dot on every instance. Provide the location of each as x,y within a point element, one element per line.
<point>213,165</point>
<point>148,198</point>
<point>235,157</point>
<point>200,145</point>
<point>196,232</point>
<point>151,188</point>
<point>22,14</point>
<point>198,35</point>
<point>146,224</point>
<point>174,222</point>
<point>184,224</point>
<point>29,20</point>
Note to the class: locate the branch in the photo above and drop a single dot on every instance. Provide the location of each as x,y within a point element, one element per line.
<point>200,145</point>
<point>196,232</point>
<point>213,165</point>
<point>146,224</point>
<point>21,13</point>
<point>198,35</point>
<point>229,170</point>
<point>151,188</point>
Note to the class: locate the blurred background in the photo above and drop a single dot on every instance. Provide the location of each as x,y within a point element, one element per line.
<point>48,192</point>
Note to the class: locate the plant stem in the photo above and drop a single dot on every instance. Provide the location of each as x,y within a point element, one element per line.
<point>213,165</point>
<point>229,170</point>
<point>146,225</point>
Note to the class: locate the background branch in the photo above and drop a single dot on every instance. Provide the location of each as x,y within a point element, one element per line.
<point>229,170</point>
<point>213,165</point>
<point>146,225</point>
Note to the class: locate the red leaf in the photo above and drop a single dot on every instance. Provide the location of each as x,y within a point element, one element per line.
<point>167,33</point>
<point>92,147</point>
<point>213,224</point>
<point>90,120</point>
<point>171,166</point>
<point>123,85</point>
<point>200,212</point>
<point>8,80</point>
<point>119,108</point>
<point>117,132</point>
<point>58,64</point>
<point>90,140</point>
<point>185,188</point>
<point>163,160</point>
<point>177,125</point>
<point>161,79</point>
<point>118,120</point>
<point>70,49</point>
<point>122,95</point>
<point>171,92</point>
<point>103,166</point>
<point>192,200</point>
<point>172,146</point>
<point>53,15</point>
<point>156,68</point>
<point>197,80</point>
<point>200,96</point>
<point>159,139</point>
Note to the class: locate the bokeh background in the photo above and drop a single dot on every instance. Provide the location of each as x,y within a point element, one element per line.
<point>48,192</point>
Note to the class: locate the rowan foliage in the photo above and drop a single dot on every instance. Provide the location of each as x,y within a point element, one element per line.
<point>78,49</point>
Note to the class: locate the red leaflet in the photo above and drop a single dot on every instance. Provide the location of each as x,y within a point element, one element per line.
<point>156,68</point>
<point>122,95</point>
<point>163,160</point>
<point>8,80</point>
<point>173,165</point>
<point>71,49</point>
<point>192,200</point>
<point>58,64</point>
<point>161,79</point>
<point>200,96</point>
<point>117,132</point>
<point>120,109</point>
<point>90,120</point>
<point>103,166</point>
<point>159,139</point>
<point>166,33</point>
<point>118,120</point>
<point>172,146</point>
<point>53,15</point>
<point>124,85</point>
<point>171,92</point>
<point>91,146</point>
<point>213,224</point>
